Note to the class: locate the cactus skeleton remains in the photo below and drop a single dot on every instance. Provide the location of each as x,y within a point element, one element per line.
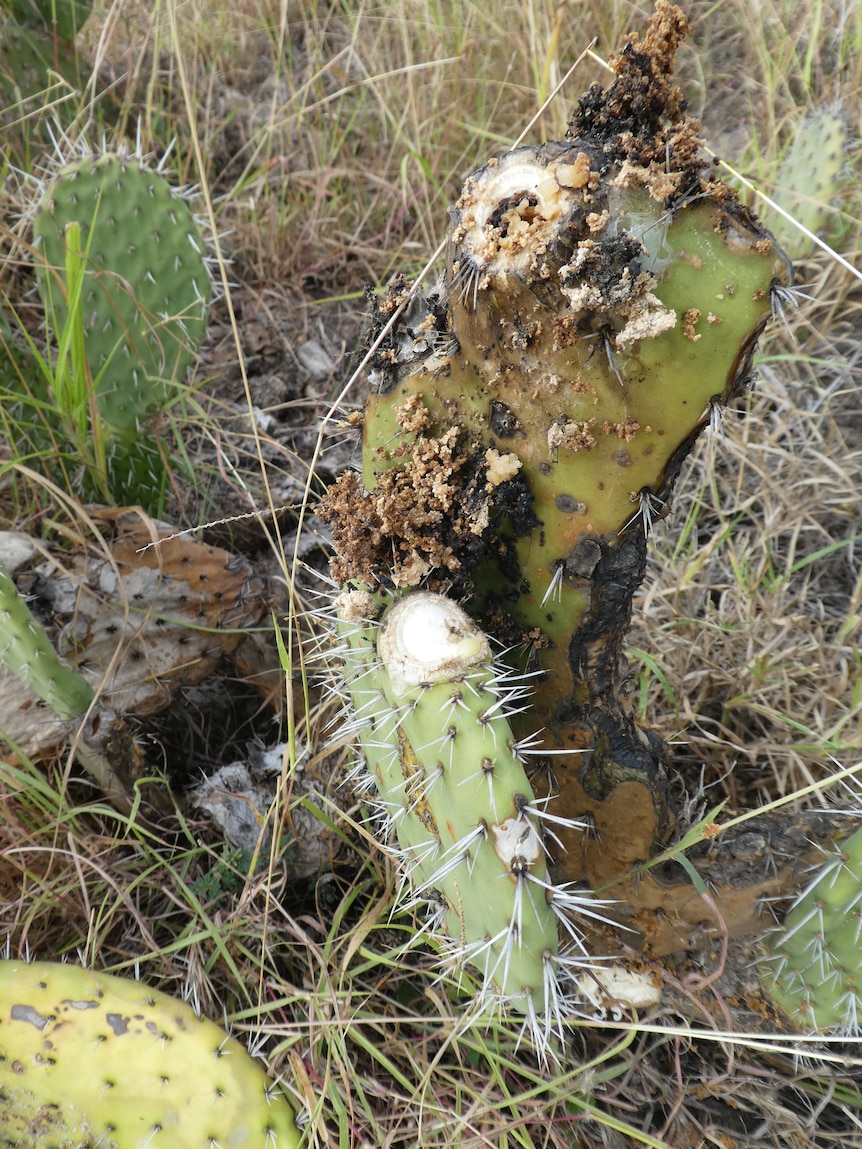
<point>91,1059</point>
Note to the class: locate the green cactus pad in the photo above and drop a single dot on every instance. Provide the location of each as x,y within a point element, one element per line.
<point>146,289</point>
<point>432,719</point>
<point>87,1059</point>
<point>808,177</point>
<point>26,650</point>
<point>605,325</point>
<point>813,970</point>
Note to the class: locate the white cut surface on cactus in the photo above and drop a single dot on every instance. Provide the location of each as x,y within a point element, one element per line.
<point>426,638</point>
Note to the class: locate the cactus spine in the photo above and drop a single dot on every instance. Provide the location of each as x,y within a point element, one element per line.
<point>91,1059</point>
<point>813,970</point>
<point>26,650</point>
<point>431,714</point>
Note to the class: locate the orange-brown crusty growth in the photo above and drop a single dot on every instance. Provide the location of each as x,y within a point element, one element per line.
<point>603,294</point>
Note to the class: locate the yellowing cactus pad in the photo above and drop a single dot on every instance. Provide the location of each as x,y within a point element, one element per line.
<point>91,1061</point>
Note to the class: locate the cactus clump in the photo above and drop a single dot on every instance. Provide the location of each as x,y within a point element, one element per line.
<point>431,712</point>
<point>603,296</point>
<point>813,969</point>
<point>87,1059</point>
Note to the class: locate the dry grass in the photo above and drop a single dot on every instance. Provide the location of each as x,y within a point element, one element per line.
<point>328,139</point>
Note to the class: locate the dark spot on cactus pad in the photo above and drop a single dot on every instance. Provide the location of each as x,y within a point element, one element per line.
<point>503,421</point>
<point>117,1022</point>
<point>29,1014</point>
<point>568,504</point>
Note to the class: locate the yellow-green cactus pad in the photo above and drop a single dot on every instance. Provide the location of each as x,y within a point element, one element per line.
<point>91,1061</point>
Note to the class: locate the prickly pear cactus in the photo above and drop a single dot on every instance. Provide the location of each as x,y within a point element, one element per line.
<point>146,289</point>
<point>39,62</point>
<point>26,650</point>
<point>431,712</point>
<point>603,298</point>
<point>90,1059</point>
<point>813,970</point>
<point>808,178</point>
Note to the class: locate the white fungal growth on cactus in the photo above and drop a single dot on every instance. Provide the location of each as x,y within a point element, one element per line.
<point>431,709</point>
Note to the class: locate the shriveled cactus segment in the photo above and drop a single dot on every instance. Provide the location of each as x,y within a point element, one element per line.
<point>431,711</point>
<point>90,1059</point>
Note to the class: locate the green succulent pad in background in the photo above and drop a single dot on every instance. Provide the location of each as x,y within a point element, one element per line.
<point>147,287</point>
<point>808,181</point>
<point>813,970</point>
<point>91,1059</point>
<point>65,17</point>
<point>41,71</point>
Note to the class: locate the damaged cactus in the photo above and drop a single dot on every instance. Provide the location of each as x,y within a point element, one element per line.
<point>430,708</point>
<point>91,1059</point>
<point>602,300</point>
